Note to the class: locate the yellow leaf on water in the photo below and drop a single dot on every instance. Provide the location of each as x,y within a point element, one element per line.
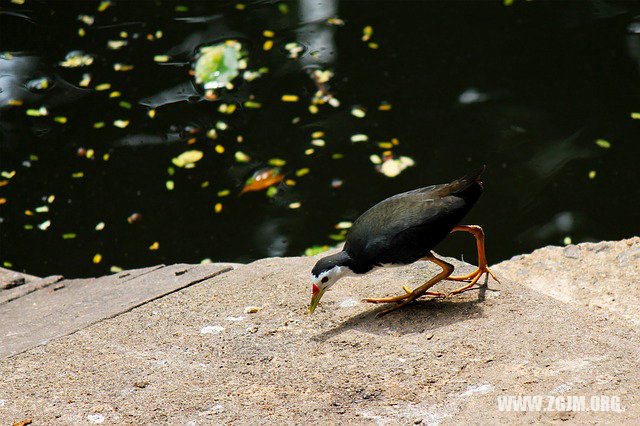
<point>187,157</point>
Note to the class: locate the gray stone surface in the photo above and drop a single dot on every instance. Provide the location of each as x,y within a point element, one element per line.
<point>69,305</point>
<point>601,276</point>
<point>196,357</point>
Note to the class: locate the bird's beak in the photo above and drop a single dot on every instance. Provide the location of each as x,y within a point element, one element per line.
<point>316,295</point>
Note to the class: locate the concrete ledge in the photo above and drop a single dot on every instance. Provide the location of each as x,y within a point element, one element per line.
<point>198,356</point>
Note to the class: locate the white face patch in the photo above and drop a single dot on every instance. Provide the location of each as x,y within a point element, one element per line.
<point>328,278</point>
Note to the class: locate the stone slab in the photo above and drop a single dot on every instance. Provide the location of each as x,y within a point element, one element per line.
<point>70,305</point>
<point>197,356</point>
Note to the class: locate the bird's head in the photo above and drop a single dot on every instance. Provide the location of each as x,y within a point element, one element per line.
<point>327,271</point>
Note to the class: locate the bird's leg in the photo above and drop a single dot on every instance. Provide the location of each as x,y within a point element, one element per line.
<point>483,267</point>
<point>447,269</point>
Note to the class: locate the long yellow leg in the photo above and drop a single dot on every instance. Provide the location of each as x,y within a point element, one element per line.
<point>410,296</point>
<point>483,267</point>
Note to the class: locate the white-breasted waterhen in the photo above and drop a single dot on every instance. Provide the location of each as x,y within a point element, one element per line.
<point>404,229</point>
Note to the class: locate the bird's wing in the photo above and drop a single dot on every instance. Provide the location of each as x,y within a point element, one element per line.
<point>420,218</point>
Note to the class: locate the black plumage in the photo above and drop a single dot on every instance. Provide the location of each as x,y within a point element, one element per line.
<point>405,227</point>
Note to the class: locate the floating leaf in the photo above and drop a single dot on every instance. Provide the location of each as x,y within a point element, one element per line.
<point>603,143</point>
<point>272,191</point>
<point>97,258</point>
<point>218,65</point>
<point>359,138</point>
<point>358,112</point>
<point>290,98</point>
<point>277,162</point>
<point>343,225</point>
<point>263,178</point>
<point>187,157</point>
<point>154,246</point>
<point>295,205</point>
<point>76,59</point>
<point>100,226</point>
<point>393,167</point>
<point>134,217</point>
<point>592,174</point>
<point>218,207</point>
<point>241,157</point>
<point>68,236</point>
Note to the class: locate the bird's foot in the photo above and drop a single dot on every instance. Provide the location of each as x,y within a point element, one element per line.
<point>474,277</point>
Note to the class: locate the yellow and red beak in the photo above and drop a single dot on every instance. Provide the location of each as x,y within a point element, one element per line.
<point>316,295</point>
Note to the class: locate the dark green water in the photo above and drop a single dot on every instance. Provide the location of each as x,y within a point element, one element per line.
<point>526,89</point>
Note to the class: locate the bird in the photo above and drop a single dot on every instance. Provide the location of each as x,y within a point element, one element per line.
<point>401,230</point>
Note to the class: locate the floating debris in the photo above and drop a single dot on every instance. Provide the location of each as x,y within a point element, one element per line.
<point>337,183</point>
<point>170,185</point>
<point>290,98</point>
<point>69,236</point>
<point>116,44</point>
<point>294,49</point>
<point>358,112</point>
<point>100,226</point>
<point>121,123</point>
<point>217,65</point>
<point>263,178</point>
<point>40,112</point>
<point>295,205</point>
<point>154,246</point>
<point>241,157</point>
<point>384,106</point>
<point>115,269</point>
<point>104,5</point>
<point>134,217</point>
<point>45,225</point>
<point>592,174</point>
<point>367,32</point>
<point>343,225</point>
<point>218,207</point>
<point>393,167</point>
<point>122,67</point>
<point>635,115</point>
<point>161,58</point>
<point>302,172</point>
<point>188,158</point>
<point>76,59</point>
<point>278,162</point>
<point>602,143</point>
<point>268,44</point>
<point>359,138</point>
<point>97,258</point>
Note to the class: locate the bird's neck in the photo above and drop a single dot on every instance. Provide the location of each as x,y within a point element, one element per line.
<point>347,265</point>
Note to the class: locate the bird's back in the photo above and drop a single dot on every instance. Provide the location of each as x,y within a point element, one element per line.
<point>405,227</point>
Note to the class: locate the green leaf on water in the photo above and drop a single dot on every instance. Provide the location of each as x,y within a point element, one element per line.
<point>218,65</point>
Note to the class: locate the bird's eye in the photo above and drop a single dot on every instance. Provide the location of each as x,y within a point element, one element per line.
<point>325,279</point>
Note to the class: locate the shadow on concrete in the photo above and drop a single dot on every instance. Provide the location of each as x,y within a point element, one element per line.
<point>421,316</point>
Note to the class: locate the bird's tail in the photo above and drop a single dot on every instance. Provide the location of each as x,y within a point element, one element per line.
<point>460,185</point>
